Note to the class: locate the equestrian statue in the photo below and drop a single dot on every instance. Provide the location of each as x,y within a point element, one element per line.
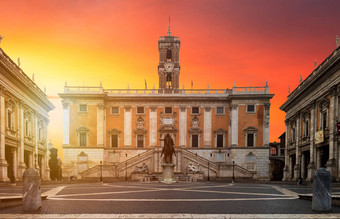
<point>168,149</point>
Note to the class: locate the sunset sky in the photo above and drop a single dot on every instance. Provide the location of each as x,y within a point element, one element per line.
<point>250,42</point>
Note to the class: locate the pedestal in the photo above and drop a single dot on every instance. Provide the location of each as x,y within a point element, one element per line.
<point>168,173</point>
<point>196,176</point>
<point>138,176</point>
<point>311,171</point>
<point>3,171</point>
<point>285,173</point>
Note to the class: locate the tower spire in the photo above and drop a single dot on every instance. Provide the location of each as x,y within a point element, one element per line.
<point>169,33</point>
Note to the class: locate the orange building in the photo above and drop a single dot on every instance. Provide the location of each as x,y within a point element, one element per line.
<point>23,123</point>
<point>122,128</point>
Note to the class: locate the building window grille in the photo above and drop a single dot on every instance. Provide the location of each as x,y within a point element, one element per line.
<point>194,141</point>
<point>324,120</point>
<point>219,140</point>
<point>83,108</point>
<point>114,110</point>
<point>250,140</point>
<point>140,141</point>
<point>220,110</point>
<point>168,110</point>
<point>114,141</point>
<point>140,110</point>
<point>195,110</point>
<point>250,108</point>
<point>82,139</point>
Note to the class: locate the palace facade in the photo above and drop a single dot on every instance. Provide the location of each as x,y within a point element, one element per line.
<point>111,131</point>
<point>312,112</point>
<point>23,123</point>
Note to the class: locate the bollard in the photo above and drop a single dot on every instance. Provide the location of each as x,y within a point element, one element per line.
<point>322,190</point>
<point>31,194</point>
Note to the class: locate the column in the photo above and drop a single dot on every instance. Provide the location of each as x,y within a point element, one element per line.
<point>286,168</point>
<point>234,125</point>
<point>21,149</point>
<point>331,165</point>
<point>311,165</point>
<point>303,165</point>
<point>297,157</point>
<point>127,126</point>
<point>47,153</point>
<point>35,128</point>
<point>266,124</point>
<point>3,162</point>
<point>207,127</point>
<point>14,163</point>
<point>100,125</point>
<point>66,124</point>
<point>183,126</point>
<point>153,126</point>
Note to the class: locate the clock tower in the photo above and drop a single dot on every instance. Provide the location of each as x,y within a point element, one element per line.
<point>168,67</point>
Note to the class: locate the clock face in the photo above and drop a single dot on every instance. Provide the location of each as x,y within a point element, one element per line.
<point>168,66</point>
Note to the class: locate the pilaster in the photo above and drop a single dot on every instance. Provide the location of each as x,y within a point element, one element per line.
<point>234,125</point>
<point>331,164</point>
<point>182,126</point>
<point>3,162</point>
<point>127,126</point>
<point>266,124</point>
<point>153,126</point>
<point>66,123</point>
<point>207,127</point>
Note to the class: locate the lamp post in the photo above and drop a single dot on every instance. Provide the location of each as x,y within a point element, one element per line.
<point>233,178</point>
<point>208,171</point>
<point>126,169</point>
<point>101,171</point>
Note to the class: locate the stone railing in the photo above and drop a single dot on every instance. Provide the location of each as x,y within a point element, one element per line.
<point>118,92</point>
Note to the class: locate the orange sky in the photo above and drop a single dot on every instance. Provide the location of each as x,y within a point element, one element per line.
<point>250,42</point>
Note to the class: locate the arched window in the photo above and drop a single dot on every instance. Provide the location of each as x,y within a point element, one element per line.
<point>169,55</point>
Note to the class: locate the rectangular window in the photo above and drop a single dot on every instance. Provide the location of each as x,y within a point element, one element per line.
<point>27,128</point>
<point>140,110</point>
<point>140,141</point>
<point>82,139</point>
<point>324,120</point>
<point>40,134</point>
<point>219,140</point>
<point>306,129</point>
<point>168,110</point>
<point>250,140</point>
<point>194,139</point>
<point>82,108</point>
<point>250,108</point>
<point>114,110</point>
<point>293,134</point>
<point>195,110</point>
<point>220,110</point>
<point>9,119</point>
<point>114,141</point>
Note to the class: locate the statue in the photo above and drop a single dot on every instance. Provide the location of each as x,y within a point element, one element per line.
<point>168,149</point>
<point>142,169</point>
<point>193,168</point>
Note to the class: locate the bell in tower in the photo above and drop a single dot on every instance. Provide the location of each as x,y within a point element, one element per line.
<point>168,67</point>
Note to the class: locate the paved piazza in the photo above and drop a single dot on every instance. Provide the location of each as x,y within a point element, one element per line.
<point>178,200</point>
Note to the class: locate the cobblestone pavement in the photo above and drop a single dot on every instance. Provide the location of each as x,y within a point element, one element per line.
<point>178,200</point>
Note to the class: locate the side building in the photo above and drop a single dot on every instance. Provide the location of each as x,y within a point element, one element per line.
<point>312,111</point>
<point>122,128</point>
<point>23,123</point>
